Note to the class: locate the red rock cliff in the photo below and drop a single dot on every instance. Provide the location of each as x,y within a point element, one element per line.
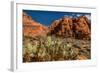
<point>32,28</point>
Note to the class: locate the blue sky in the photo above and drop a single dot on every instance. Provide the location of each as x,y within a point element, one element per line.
<point>47,17</point>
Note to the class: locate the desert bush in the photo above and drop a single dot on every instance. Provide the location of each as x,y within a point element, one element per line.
<point>51,48</point>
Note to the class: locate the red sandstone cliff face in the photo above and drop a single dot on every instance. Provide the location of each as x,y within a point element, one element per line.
<point>32,28</point>
<point>82,27</point>
<point>72,27</point>
<point>65,27</point>
<point>62,27</point>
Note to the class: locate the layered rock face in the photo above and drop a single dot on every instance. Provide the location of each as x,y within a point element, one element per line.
<point>79,27</point>
<point>82,28</point>
<point>62,27</point>
<point>72,27</point>
<point>32,28</point>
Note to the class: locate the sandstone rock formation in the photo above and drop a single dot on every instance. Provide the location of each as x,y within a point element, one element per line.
<point>32,28</point>
<point>79,27</point>
<point>82,28</point>
<point>62,27</point>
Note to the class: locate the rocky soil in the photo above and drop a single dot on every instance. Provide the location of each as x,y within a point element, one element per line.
<point>51,48</point>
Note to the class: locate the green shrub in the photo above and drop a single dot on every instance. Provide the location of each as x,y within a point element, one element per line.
<point>51,48</point>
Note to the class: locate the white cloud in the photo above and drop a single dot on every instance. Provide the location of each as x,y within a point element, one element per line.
<point>73,14</point>
<point>68,16</point>
<point>78,15</point>
<point>88,16</point>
